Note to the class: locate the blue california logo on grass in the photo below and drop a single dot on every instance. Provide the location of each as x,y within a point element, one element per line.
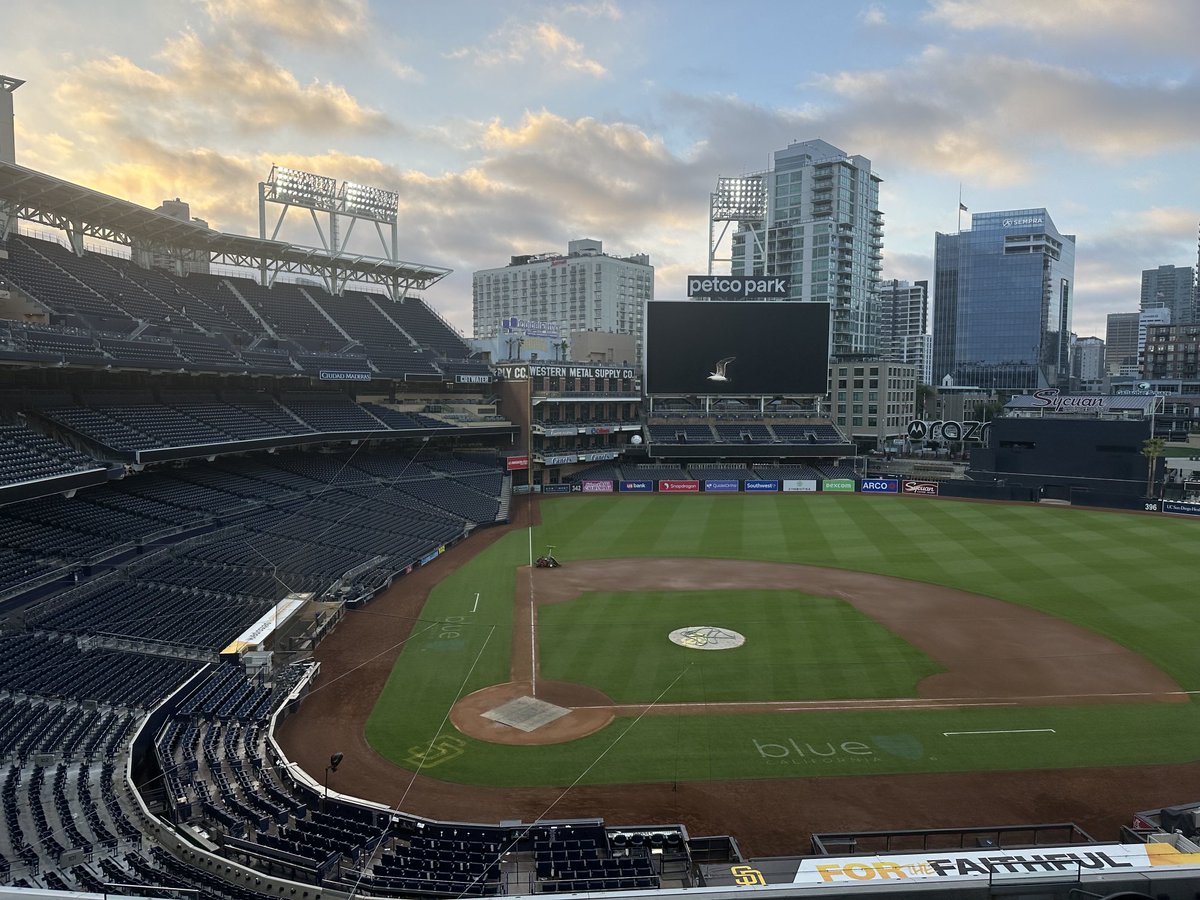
<point>903,746</point>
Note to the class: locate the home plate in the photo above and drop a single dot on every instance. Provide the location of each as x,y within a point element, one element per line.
<point>526,713</point>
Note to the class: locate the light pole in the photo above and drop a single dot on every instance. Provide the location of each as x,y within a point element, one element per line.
<point>334,762</point>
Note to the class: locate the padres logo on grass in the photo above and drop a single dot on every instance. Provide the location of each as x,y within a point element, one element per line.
<point>706,637</point>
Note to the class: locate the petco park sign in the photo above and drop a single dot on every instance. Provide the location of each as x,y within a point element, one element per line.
<point>737,288</point>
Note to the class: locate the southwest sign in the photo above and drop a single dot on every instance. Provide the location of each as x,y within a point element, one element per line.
<point>753,486</point>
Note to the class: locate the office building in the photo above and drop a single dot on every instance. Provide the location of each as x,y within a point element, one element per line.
<point>903,323</point>
<point>872,401</point>
<point>1121,344</point>
<point>813,218</point>
<point>1002,302</point>
<point>1173,288</point>
<point>581,290</point>
<point>1087,364</point>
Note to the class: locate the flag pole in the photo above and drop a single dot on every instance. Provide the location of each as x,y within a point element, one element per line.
<point>960,206</point>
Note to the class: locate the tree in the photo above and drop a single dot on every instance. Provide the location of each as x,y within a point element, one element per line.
<point>1152,449</point>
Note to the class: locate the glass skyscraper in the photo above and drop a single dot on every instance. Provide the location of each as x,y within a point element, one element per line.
<point>1002,302</point>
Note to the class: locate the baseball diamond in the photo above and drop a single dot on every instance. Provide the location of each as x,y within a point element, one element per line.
<point>960,662</point>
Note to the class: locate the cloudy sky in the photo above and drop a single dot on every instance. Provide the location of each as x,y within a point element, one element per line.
<point>514,127</point>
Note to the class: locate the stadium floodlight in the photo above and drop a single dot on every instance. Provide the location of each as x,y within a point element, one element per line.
<point>368,202</point>
<point>740,199</point>
<point>301,188</point>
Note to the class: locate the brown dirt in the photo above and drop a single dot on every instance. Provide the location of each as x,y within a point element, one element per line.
<point>768,816</point>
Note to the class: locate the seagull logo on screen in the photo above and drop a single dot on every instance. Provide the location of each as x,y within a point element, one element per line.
<point>722,365</point>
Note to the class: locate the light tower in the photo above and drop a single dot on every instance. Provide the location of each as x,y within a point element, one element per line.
<point>8,141</point>
<point>320,194</point>
<point>741,199</point>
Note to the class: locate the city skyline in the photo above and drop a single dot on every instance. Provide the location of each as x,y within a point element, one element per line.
<point>512,129</point>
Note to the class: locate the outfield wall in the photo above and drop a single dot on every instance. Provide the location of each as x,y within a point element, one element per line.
<point>880,485</point>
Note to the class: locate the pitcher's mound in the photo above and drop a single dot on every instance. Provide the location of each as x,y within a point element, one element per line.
<point>516,713</point>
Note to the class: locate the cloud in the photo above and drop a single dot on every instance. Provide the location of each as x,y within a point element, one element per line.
<point>988,117</point>
<point>601,10</point>
<point>312,22</point>
<point>1108,265</point>
<point>873,15</point>
<point>526,43</point>
<point>1161,25</point>
<point>200,87</point>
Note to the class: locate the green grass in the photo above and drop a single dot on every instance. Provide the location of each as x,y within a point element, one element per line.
<point>1129,577</point>
<point>798,647</point>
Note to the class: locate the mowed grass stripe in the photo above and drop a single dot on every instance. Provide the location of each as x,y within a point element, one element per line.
<point>1143,602</point>
<point>798,647</point>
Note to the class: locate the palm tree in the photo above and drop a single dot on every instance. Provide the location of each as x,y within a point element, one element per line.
<point>1152,449</point>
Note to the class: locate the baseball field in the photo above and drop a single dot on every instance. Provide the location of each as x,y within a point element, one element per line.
<point>939,652</point>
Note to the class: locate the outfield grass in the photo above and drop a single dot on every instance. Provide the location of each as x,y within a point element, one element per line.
<point>798,647</point>
<point>1129,577</point>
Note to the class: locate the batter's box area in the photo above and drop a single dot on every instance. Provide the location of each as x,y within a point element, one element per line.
<point>526,713</point>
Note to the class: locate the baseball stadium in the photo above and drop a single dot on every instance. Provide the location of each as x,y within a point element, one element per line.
<point>301,597</point>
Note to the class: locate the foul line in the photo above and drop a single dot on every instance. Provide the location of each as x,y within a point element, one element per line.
<point>1007,731</point>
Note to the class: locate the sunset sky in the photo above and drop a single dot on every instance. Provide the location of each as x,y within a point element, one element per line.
<point>515,127</point>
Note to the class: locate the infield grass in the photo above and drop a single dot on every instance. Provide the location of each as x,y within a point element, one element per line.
<point>1129,577</point>
<point>798,647</point>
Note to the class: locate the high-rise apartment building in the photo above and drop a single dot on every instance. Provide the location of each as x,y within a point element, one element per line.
<point>903,325</point>
<point>1002,302</point>
<point>1087,363</point>
<point>1171,352</point>
<point>1121,344</point>
<point>1173,288</point>
<point>1147,319</point>
<point>815,219</point>
<point>583,290</point>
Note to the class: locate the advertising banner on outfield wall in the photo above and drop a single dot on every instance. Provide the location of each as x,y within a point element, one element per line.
<point>597,486</point>
<point>556,489</point>
<point>879,486</point>
<point>802,485</point>
<point>995,866</point>
<point>717,485</point>
<point>761,485</point>
<point>838,484</point>
<point>920,488</point>
<point>1179,507</point>
<point>637,487</point>
<point>678,487</point>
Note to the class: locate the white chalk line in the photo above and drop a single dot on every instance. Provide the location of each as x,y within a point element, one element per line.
<point>897,703</point>
<point>475,608</point>
<point>1004,731</point>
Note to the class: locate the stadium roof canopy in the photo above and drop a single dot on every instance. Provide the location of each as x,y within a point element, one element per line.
<point>82,212</point>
